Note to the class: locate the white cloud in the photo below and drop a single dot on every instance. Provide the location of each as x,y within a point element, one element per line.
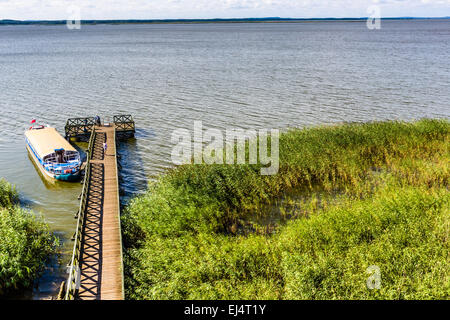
<point>162,9</point>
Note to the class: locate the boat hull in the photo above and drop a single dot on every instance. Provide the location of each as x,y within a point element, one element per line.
<point>71,177</point>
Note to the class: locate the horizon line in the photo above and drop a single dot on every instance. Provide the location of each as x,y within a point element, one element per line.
<point>3,21</point>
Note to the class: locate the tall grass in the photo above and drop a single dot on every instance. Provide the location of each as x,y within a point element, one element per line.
<point>403,231</point>
<point>25,242</point>
<point>384,201</point>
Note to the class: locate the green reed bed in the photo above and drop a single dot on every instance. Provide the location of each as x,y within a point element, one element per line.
<point>371,194</point>
<point>25,242</point>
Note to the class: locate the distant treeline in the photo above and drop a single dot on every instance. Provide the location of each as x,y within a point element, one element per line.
<point>246,20</point>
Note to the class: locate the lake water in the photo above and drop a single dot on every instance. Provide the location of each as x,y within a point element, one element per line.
<point>227,75</point>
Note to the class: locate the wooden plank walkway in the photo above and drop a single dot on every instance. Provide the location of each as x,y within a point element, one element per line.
<point>101,274</point>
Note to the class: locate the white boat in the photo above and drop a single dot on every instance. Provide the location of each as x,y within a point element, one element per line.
<point>55,157</point>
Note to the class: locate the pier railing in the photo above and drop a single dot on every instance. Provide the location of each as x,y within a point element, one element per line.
<point>73,281</point>
<point>82,127</point>
<point>76,127</point>
<point>125,126</point>
<point>118,211</point>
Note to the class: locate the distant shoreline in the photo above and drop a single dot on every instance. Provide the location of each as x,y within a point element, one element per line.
<point>195,21</point>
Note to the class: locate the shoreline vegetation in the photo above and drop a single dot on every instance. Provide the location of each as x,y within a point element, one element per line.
<point>348,198</point>
<point>197,21</point>
<point>26,243</point>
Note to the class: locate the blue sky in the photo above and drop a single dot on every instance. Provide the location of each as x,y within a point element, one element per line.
<point>192,9</point>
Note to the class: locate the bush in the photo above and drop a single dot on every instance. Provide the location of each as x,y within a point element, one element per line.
<point>25,243</point>
<point>8,194</point>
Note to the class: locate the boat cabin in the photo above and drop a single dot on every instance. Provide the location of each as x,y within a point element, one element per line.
<point>54,152</point>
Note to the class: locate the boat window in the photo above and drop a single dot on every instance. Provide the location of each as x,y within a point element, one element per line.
<point>71,156</point>
<point>51,158</point>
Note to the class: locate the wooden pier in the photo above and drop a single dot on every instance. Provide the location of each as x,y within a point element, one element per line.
<point>96,268</point>
<point>81,128</point>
